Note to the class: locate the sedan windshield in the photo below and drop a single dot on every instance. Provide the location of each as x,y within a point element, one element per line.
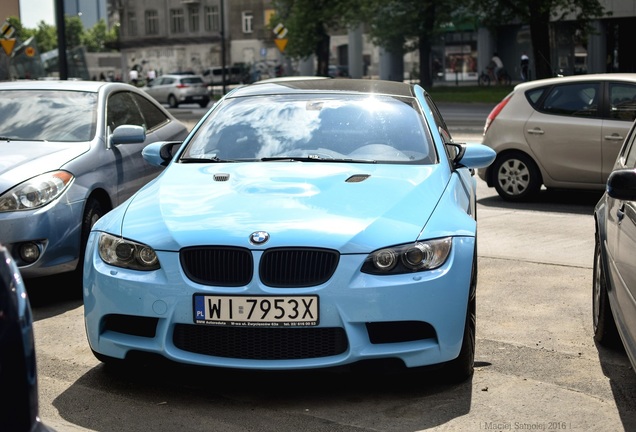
<point>314,128</point>
<point>47,115</point>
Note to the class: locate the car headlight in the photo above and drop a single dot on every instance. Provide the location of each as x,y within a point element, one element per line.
<point>36,192</point>
<point>124,253</point>
<point>413,257</point>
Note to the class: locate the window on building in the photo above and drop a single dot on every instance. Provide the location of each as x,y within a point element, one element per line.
<point>177,21</point>
<point>193,18</point>
<point>132,24</point>
<point>152,22</point>
<point>211,18</point>
<point>247,18</point>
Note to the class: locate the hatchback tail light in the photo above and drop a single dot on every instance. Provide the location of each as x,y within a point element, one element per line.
<point>495,112</point>
<point>182,86</point>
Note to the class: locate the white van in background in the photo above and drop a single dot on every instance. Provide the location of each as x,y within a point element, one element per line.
<point>214,75</point>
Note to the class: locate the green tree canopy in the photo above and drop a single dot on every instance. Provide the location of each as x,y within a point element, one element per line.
<point>96,39</point>
<point>408,25</point>
<point>396,25</point>
<point>309,23</point>
<point>538,14</point>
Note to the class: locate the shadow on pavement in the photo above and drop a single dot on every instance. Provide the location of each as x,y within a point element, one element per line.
<point>622,379</point>
<point>337,400</point>
<point>54,295</point>
<point>559,201</point>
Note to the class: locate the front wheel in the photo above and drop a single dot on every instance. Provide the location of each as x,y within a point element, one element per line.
<point>516,177</point>
<point>172,101</point>
<point>463,366</point>
<point>484,80</point>
<point>605,331</point>
<point>92,213</point>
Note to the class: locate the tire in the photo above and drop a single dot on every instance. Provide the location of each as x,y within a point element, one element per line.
<point>204,103</point>
<point>484,80</point>
<point>505,79</point>
<point>516,177</point>
<point>172,102</point>
<point>463,367</point>
<point>92,213</point>
<point>605,331</point>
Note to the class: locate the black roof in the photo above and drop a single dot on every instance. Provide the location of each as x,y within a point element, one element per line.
<point>326,86</point>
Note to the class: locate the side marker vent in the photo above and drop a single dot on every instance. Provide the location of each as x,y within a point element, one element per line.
<point>357,178</point>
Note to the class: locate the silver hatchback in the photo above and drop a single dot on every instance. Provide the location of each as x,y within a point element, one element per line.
<point>562,133</point>
<point>179,89</point>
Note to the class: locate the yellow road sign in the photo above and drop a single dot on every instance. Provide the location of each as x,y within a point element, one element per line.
<point>280,31</point>
<point>7,45</point>
<point>281,44</point>
<point>7,30</point>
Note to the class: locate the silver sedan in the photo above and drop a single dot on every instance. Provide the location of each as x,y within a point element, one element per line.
<point>71,151</point>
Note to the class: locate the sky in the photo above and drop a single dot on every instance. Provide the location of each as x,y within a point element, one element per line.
<point>34,11</point>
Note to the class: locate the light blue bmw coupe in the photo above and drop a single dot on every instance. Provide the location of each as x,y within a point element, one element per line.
<point>302,224</point>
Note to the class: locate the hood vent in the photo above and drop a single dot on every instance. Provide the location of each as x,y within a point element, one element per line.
<point>357,178</point>
<point>221,177</point>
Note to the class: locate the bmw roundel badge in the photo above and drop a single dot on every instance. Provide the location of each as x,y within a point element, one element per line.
<point>259,237</point>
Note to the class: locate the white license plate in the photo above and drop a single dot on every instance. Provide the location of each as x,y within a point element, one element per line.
<point>256,310</point>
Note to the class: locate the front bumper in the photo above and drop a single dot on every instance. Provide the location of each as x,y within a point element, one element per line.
<point>55,228</point>
<point>417,318</point>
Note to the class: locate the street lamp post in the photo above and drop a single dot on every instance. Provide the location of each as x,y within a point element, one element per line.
<point>223,45</point>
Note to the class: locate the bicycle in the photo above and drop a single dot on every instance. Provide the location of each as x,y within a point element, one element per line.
<point>485,78</point>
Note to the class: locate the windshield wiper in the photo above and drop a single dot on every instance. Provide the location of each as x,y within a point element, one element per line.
<point>314,159</point>
<point>204,160</point>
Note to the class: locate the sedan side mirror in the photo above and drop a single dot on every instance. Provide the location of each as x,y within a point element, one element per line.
<point>128,134</point>
<point>621,184</point>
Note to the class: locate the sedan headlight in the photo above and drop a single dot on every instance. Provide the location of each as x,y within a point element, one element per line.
<point>36,192</point>
<point>413,257</point>
<point>124,253</point>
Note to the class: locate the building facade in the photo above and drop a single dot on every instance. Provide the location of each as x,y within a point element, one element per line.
<point>195,35</point>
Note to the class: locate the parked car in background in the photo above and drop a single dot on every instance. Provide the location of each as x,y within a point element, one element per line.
<point>179,89</point>
<point>614,282</point>
<point>560,133</point>
<point>71,151</point>
<point>303,224</point>
<point>19,410</point>
<point>339,71</point>
<point>214,75</point>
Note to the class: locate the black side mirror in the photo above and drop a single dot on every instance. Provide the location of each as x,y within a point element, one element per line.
<point>456,152</point>
<point>621,184</point>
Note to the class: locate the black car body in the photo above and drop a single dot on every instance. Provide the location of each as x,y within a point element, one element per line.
<point>18,372</point>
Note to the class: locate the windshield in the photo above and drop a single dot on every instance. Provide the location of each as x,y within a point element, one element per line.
<point>377,128</point>
<point>47,115</point>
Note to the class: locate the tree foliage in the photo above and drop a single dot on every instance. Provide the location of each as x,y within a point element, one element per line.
<point>96,39</point>
<point>396,25</point>
<point>409,25</point>
<point>538,14</point>
<point>309,23</point>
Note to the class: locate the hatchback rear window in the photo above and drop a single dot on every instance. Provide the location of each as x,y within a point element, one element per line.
<point>192,80</point>
<point>534,95</point>
<point>577,100</point>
